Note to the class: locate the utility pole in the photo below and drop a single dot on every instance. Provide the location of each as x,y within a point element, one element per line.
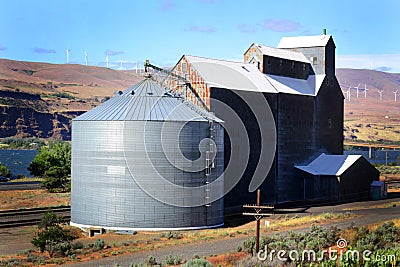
<point>258,224</point>
<point>258,215</point>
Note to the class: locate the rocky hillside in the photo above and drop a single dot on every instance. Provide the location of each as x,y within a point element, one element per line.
<point>40,99</point>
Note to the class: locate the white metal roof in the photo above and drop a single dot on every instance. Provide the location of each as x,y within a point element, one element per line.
<point>246,77</point>
<point>148,102</point>
<point>231,74</point>
<point>330,164</point>
<point>294,86</point>
<point>281,53</point>
<point>304,41</point>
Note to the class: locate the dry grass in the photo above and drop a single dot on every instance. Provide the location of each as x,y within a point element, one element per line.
<point>324,217</point>
<point>380,128</point>
<point>378,206</point>
<point>28,179</point>
<point>20,199</point>
<point>366,119</point>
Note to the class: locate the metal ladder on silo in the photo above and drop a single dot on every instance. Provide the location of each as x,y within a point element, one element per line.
<point>210,162</point>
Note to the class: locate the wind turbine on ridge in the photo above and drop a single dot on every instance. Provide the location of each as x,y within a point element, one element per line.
<point>357,87</point>
<point>86,57</point>
<point>67,55</point>
<point>107,58</point>
<point>365,91</point>
<point>395,95</point>
<point>380,94</point>
<point>122,67</point>
<point>348,94</point>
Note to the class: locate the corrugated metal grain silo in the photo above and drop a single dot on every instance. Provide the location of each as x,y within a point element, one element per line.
<point>147,160</point>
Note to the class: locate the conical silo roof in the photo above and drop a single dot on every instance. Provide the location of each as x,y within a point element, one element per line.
<point>145,101</point>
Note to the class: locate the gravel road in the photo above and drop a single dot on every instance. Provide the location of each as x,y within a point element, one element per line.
<point>5,186</point>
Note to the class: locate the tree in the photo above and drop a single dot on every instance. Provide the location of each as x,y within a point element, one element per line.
<point>54,164</point>
<point>4,171</point>
<point>51,237</point>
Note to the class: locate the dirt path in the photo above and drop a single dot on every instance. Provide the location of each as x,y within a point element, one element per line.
<point>17,239</point>
<point>216,247</point>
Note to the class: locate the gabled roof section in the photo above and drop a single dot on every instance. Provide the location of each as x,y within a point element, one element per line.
<point>246,77</point>
<point>231,74</point>
<point>334,165</point>
<point>145,101</point>
<point>304,41</point>
<point>295,86</point>
<point>281,53</point>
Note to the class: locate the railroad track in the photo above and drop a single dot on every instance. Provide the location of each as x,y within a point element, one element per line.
<point>25,217</point>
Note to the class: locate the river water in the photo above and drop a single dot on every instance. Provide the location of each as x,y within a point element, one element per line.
<point>17,161</point>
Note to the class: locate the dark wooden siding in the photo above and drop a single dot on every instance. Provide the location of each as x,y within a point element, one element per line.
<point>296,143</point>
<point>329,118</point>
<point>355,182</point>
<point>285,67</point>
<point>240,194</point>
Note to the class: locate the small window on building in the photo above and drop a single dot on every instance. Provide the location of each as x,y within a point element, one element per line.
<point>259,65</point>
<point>313,60</point>
<point>292,65</point>
<point>281,63</point>
<point>304,67</point>
<point>184,67</point>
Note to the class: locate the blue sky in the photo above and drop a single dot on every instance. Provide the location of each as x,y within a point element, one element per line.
<point>366,33</point>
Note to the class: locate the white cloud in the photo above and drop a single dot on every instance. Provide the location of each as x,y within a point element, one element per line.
<point>384,62</point>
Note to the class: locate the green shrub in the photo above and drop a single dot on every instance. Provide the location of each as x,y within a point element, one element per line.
<point>173,260</point>
<point>172,235</point>
<point>39,260</point>
<point>151,261</point>
<point>10,262</point>
<point>77,245</point>
<point>98,244</point>
<point>248,245</point>
<point>23,143</point>
<point>54,164</point>
<point>198,263</point>
<point>140,264</point>
<point>51,237</point>
<point>385,236</point>
<point>62,95</point>
<point>4,171</point>
<point>64,248</point>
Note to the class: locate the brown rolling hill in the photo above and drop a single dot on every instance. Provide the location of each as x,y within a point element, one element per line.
<point>76,78</point>
<point>40,99</point>
<point>367,117</point>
